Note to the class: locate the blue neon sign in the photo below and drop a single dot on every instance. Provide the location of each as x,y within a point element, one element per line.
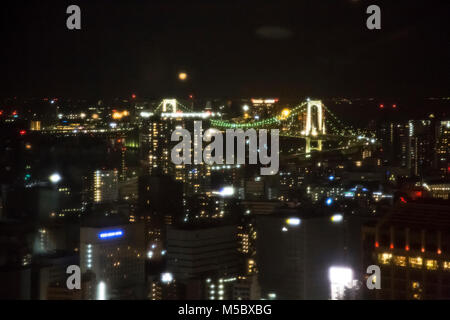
<point>111,234</point>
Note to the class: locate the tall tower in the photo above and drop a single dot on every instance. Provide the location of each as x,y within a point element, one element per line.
<point>169,105</point>
<point>315,121</point>
<point>315,125</point>
<point>106,186</point>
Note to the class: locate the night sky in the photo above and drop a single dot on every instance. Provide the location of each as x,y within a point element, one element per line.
<point>228,48</point>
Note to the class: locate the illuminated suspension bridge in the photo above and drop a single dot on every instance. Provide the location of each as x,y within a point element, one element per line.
<point>311,121</point>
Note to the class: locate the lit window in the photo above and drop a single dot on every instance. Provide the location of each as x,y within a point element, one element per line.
<point>400,261</point>
<point>446,265</point>
<point>416,262</point>
<point>385,258</point>
<point>432,264</point>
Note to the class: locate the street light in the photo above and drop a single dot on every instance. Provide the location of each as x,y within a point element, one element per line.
<point>55,178</point>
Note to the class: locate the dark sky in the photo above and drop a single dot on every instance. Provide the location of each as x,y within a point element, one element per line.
<point>229,48</point>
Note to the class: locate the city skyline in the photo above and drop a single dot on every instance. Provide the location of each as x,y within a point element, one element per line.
<point>224,154</point>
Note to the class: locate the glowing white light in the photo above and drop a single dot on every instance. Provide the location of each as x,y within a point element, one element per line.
<point>340,278</point>
<point>186,114</point>
<point>150,254</point>
<point>113,125</point>
<point>293,221</point>
<point>225,191</point>
<point>337,217</point>
<point>166,277</point>
<point>245,108</point>
<point>101,291</point>
<point>146,114</point>
<point>55,178</point>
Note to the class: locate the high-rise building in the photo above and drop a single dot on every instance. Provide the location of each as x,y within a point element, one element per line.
<point>295,251</point>
<point>395,138</point>
<point>116,255</point>
<point>196,252</point>
<point>155,141</point>
<point>105,186</point>
<point>443,150</point>
<point>411,244</point>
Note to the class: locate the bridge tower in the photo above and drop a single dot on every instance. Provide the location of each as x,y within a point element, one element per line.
<point>315,125</point>
<point>313,144</point>
<point>169,105</point>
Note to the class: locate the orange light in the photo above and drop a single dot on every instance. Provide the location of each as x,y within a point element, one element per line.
<point>439,251</point>
<point>133,96</point>
<point>117,115</point>
<point>391,246</point>
<point>394,106</point>
<point>381,106</point>
<point>182,76</point>
<point>95,116</point>
<point>377,244</point>
<point>407,248</point>
<point>423,250</point>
